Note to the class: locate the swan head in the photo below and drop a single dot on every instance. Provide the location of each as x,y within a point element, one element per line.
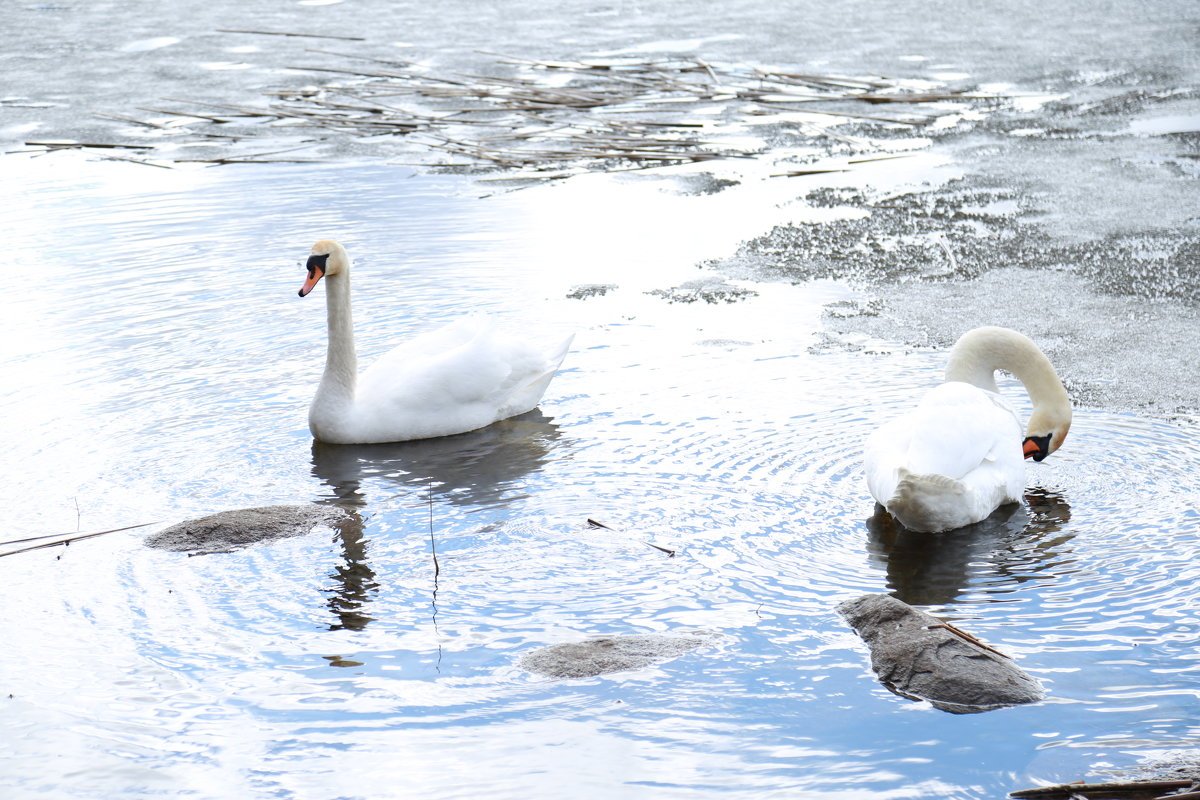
<point>327,258</point>
<point>1047,431</point>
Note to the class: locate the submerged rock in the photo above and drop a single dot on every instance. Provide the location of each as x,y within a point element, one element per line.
<point>231,530</point>
<point>610,654</point>
<point>919,656</point>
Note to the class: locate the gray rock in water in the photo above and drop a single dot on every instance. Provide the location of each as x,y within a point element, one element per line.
<point>231,530</point>
<point>610,654</point>
<point>918,656</point>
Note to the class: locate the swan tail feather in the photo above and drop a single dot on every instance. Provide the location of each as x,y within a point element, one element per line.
<point>928,502</point>
<point>528,393</point>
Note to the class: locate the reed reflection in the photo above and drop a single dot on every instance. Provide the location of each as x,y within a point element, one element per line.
<point>480,468</point>
<point>1016,544</point>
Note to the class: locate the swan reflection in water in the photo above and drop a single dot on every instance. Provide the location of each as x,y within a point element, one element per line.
<point>355,580</point>
<point>1012,546</point>
<point>480,468</point>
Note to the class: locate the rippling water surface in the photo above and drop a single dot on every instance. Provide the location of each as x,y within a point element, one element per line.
<point>158,366</point>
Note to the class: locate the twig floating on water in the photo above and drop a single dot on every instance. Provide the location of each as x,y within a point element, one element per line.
<point>437,568</point>
<point>137,161</point>
<point>597,524</point>
<point>799,173</point>
<point>80,145</point>
<point>287,33</point>
<point>666,550</point>
<point>868,159</point>
<point>218,120</point>
<point>135,121</point>
<point>1130,790</point>
<point>358,72</point>
<point>65,541</point>
<point>918,98</point>
<point>847,114</point>
<point>393,61</point>
<point>241,111</point>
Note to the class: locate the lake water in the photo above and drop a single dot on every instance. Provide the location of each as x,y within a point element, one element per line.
<point>158,364</point>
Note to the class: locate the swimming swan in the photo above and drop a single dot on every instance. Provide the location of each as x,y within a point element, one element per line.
<point>457,378</point>
<point>958,455</point>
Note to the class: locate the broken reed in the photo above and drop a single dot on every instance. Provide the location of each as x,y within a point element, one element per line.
<point>580,115</point>
<point>64,539</point>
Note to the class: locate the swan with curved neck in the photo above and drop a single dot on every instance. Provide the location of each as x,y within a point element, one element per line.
<point>458,378</point>
<point>959,455</point>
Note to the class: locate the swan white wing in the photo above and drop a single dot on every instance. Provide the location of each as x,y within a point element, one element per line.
<point>958,427</point>
<point>453,379</point>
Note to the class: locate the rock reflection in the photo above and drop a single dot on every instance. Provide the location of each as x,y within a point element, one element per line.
<point>476,468</point>
<point>1015,544</point>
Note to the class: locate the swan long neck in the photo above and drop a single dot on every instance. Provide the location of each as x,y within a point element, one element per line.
<point>341,361</point>
<point>979,353</point>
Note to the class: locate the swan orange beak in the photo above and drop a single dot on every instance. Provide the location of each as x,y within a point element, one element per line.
<point>316,271</point>
<point>1036,447</point>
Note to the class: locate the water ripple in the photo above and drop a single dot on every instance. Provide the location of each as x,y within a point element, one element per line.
<point>718,436</point>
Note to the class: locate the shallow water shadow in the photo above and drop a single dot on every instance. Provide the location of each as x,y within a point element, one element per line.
<point>1014,544</point>
<point>476,468</point>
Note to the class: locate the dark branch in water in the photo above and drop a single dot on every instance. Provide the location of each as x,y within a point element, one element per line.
<point>287,33</point>
<point>597,524</point>
<point>81,145</point>
<point>437,570</point>
<point>1132,790</point>
<point>63,541</point>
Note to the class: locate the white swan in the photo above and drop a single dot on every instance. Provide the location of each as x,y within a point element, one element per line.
<point>958,455</point>
<point>463,376</point>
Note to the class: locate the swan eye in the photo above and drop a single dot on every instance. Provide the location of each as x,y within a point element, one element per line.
<point>317,262</point>
<point>1037,447</point>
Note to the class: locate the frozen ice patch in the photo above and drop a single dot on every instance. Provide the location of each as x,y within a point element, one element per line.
<point>1161,126</point>
<point>143,45</point>
<point>223,65</point>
